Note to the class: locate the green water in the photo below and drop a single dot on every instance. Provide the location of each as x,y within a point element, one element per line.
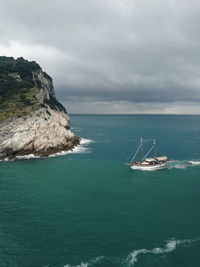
<point>89,208</point>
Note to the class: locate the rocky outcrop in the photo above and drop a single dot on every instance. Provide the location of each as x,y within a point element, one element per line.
<point>42,133</point>
<point>44,82</point>
<point>43,129</point>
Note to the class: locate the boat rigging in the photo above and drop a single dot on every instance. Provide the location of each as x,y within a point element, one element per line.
<point>145,162</point>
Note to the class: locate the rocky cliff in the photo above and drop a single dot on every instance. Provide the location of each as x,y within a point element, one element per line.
<point>32,121</point>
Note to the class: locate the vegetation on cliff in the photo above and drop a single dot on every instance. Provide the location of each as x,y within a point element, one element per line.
<point>18,88</point>
<point>32,121</point>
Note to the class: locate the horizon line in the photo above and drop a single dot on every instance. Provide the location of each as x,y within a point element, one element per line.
<point>135,114</point>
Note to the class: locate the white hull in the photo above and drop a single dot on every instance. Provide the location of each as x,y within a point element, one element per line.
<point>149,167</point>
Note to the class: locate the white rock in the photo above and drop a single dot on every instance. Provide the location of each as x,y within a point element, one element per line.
<point>36,133</point>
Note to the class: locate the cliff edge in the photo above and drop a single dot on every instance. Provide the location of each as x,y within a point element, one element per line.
<point>32,121</point>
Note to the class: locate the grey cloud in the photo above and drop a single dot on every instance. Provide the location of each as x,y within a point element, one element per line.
<point>110,50</point>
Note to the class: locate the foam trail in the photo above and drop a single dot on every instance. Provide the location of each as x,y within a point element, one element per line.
<point>132,258</point>
<point>87,264</point>
<point>194,162</point>
<point>169,247</point>
<point>177,164</point>
<point>182,164</point>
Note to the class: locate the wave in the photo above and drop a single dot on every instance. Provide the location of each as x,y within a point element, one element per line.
<point>170,245</point>
<point>85,141</point>
<point>89,263</point>
<point>30,156</point>
<point>132,258</point>
<point>80,149</point>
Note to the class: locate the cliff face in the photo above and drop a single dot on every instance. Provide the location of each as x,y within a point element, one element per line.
<point>32,121</point>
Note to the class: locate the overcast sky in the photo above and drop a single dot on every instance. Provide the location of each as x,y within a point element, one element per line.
<point>110,56</point>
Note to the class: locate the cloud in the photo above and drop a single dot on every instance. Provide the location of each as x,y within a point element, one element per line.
<point>110,51</point>
<point>127,107</point>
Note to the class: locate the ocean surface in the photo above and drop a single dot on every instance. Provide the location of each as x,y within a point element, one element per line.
<point>87,207</point>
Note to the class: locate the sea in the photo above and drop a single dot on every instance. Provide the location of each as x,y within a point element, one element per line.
<point>87,208</point>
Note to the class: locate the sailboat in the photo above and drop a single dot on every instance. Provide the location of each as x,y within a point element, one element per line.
<point>146,163</point>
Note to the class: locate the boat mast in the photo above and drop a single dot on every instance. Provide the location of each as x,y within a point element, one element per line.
<point>141,149</point>
<point>154,151</point>
<point>138,150</point>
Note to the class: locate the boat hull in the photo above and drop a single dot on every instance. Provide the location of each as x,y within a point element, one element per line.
<point>148,167</point>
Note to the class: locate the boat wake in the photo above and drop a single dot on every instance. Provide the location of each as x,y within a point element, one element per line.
<point>194,162</point>
<point>182,164</point>
<point>177,164</point>
<point>133,257</point>
<point>173,164</point>
<point>80,149</point>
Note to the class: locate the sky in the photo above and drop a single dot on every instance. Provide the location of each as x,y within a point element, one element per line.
<point>111,56</point>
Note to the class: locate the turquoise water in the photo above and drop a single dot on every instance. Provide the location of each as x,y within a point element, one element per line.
<point>89,209</point>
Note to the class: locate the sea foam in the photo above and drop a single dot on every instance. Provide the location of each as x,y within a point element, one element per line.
<point>89,263</point>
<point>85,141</point>
<point>177,164</point>
<point>169,246</point>
<point>79,149</point>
